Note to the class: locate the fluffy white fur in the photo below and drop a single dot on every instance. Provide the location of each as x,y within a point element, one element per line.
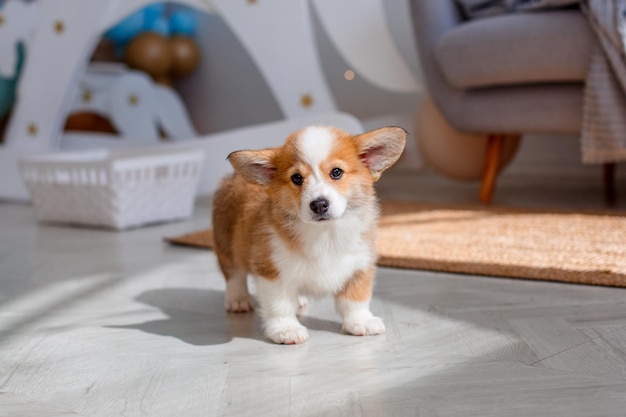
<point>315,144</point>
<point>330,258</point>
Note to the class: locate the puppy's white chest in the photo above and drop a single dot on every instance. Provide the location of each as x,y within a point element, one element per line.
<point>324,266</point>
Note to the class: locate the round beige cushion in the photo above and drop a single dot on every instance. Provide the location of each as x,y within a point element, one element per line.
<point>454,154</point>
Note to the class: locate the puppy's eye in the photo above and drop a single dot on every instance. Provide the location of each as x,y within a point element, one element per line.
<point>336,173</point>
<point>297,179</point>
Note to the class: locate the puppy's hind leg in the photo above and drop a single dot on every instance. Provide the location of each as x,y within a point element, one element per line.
<point>238,299</point>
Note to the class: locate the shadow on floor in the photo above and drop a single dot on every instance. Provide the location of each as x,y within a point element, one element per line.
<point>197,317</point>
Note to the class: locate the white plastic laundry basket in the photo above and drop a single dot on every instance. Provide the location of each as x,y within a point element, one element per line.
<point>115,189</point>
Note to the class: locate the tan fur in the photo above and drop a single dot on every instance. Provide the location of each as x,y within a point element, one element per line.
<point>241,226</point>
<point>359,287</point>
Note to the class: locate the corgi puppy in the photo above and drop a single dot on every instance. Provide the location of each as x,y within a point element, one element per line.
<point>302,219</point>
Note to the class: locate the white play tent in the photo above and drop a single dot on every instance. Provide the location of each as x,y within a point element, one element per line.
<point>60,36</point>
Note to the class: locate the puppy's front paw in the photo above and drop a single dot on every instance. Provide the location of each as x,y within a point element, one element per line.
<point>239,304</point>
<point>286,331</point>
<point>364,326</point>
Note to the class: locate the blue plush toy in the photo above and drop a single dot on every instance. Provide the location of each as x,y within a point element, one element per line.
<point>152,18</point>
<point>159,26</point>
<point>183,22</point>
<point>127,29</point>
<point>152,13</point>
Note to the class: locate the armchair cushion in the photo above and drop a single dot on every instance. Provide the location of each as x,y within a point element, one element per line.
<point>517,48</point>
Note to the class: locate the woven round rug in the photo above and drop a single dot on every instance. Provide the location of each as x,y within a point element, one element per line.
<point>566,246</point>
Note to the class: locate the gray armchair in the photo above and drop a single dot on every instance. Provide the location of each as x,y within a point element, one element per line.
<point>515,73</point>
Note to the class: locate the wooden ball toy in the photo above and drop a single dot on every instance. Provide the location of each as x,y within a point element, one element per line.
<point>150,52</point>
<point>186,55</point>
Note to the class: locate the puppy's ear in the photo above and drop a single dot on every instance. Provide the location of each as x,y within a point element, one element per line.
<point>254,166</point>
<point>381,148</point>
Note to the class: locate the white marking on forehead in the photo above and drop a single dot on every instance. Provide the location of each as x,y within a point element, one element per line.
<point>315,144</point>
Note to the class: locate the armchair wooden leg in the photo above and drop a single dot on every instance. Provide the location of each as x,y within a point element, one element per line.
<point>495,143</point>
<point>608,177</point>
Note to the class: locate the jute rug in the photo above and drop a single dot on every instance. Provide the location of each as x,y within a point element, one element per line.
<point>577,247</point>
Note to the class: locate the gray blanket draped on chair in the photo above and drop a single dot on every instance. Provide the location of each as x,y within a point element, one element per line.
<point>603,136</point>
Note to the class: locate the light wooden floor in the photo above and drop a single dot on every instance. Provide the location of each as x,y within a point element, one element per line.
<point>96,323</point>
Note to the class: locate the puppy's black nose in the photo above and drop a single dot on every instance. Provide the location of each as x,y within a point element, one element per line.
<point>319,206</point>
